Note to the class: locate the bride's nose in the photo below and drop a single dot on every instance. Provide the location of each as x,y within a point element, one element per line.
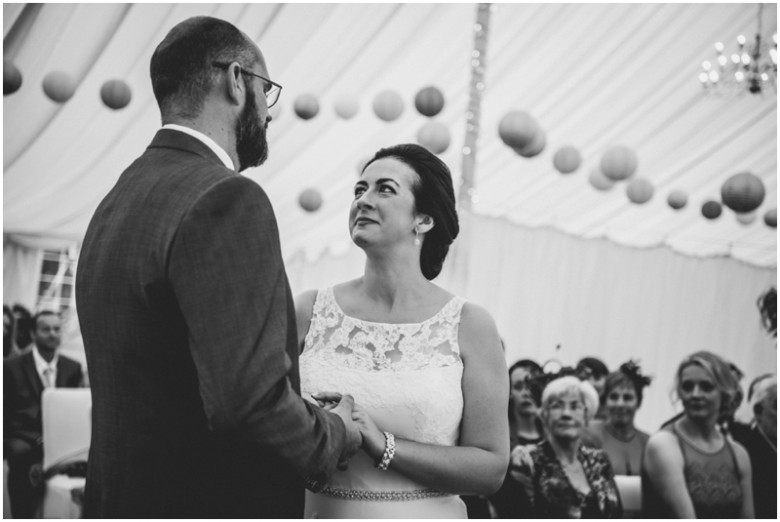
<point>363,202</point>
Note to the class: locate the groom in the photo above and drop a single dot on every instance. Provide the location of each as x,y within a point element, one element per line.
<point>186,313</point>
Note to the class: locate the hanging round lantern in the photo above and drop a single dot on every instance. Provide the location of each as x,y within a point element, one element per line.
<point>346,107</point>
<point>306,106</point>
<point>518,129</point>
<point>12,78</point>
<point>677,199</point>
<point>58,86</point>
<point>434,136</point>
<point>429,101</point>
<point>310,200</point>
<point>639,191</point>
<point>115,94</point>
<point>770,218</point>
<point>599,180</point>
<point>743,192</point>
<point>619,163</point>
<point>535,147</point>
<point>746,218</point>
<point>567,159</point>
<point>388,105</point>
<point>711,209</point>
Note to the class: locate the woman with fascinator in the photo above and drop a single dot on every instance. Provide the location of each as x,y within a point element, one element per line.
<point>617,435</point>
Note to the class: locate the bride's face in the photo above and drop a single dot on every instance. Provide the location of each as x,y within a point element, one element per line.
<point>382,211</point>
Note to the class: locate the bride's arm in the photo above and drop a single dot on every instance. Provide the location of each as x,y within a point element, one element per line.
<point>478,465</point>
<point>304,307</point>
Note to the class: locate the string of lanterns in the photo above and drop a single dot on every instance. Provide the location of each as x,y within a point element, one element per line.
<point>743,192</point>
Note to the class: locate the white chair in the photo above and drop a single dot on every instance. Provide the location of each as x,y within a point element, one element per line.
<point>66,414</point>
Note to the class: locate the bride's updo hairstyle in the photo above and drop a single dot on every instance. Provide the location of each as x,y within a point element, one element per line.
<point>434,196</point>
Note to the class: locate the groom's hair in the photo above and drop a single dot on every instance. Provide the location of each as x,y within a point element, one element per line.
<point>182,67</point>
<point>434,196</point>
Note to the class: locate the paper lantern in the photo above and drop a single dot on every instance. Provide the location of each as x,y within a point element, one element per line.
<point>770,218</point>
<point>639,191</point>
<point>59,86</point>
<point>306,106</point>
<point>346,107</point>
<point>535,147</point>
<point>677,199</point>
<point>434,136</point>
<point>619,163</point>
<point>567,159</point>
<point>599,180</point>
<point>12,78</point>
<point>115,94</point>
<point>746,218</point>
<point>711,209</point>
<point>429,101</point>
<point>388,105</point>
<point>518,129</point>
<point>310,200</point>
<point>743,192</point>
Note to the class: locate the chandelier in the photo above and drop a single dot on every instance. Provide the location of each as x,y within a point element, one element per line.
<point>751,67</point>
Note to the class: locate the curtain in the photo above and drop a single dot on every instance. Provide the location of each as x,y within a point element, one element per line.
<point>21,273</point>
<point>556,296</point>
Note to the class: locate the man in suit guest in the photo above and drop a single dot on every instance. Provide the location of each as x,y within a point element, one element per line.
<point>186,312</point>
<point>24,378</point>
<point>760,440</point>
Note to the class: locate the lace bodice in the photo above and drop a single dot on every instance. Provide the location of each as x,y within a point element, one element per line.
<point>408,378</point>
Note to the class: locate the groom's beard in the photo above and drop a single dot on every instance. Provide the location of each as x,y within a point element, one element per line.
<point>251,143</point>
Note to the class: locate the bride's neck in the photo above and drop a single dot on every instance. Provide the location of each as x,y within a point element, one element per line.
<point>391,280</point>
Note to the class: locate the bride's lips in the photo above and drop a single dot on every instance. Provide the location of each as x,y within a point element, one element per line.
<point>364,221</point>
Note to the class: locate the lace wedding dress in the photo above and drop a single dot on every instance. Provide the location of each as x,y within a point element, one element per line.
<point>408,378</point>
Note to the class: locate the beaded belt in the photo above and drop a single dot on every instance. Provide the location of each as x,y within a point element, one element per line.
<point>395,496</point>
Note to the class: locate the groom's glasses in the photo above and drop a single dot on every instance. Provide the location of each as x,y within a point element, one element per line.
<point>272,90</point>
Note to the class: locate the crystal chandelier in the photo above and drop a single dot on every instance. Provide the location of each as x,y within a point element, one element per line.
<point>751,67</point>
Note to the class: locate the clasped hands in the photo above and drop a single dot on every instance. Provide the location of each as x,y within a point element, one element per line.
<point>362,431</point>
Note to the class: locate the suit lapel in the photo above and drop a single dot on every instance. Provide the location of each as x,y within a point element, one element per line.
<point>32,374</point>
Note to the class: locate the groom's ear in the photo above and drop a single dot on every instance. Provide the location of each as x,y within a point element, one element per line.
<point>424,223</point>
<point>233,84</point>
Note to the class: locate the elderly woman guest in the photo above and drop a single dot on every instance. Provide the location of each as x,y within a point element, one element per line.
<point>617,436</point>
<point>525,428</point>
<point>691,470</point>
<point>569,480</point>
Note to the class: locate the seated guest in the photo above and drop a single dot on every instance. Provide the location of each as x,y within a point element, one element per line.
<point>568,479</point>
<point>24,378</point>
<point>595,372</point>
<point>24,328</point>
<point>525,428</point>
<point>691,469</point>
<point>617,436</point>
<point>760,440</point>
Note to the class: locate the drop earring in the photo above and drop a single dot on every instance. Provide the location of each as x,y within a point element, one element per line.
<point>416,237</point>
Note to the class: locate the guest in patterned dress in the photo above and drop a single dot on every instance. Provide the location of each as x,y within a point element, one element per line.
<point>692,470</point>
<point>568,479</point>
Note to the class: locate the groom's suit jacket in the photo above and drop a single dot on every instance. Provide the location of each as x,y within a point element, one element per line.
<point>190,336</point>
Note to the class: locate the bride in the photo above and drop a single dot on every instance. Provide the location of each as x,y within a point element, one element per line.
<point>425,367</point>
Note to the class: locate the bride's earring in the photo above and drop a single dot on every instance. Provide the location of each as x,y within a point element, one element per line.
<point>416,237</point>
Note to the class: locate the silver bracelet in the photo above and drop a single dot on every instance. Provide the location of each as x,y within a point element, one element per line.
<point>389,453</point>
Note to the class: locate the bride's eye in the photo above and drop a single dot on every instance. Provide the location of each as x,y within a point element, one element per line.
<point>359,191</point>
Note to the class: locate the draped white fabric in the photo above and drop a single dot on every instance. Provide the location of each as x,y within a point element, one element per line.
<point>556,296</point>
<point>21,274</point>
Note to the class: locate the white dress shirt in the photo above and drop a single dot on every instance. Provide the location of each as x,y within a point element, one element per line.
<point>41,366</point>
<point>219,151</point>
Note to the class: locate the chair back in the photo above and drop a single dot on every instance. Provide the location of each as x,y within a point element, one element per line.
<point>630,489</point>
<point>66,414</point>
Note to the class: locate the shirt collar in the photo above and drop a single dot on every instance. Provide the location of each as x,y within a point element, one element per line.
<point>219,151</point>
<point>40,363</point>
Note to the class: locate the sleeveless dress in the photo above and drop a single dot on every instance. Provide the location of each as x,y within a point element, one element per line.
<point>712,480</point>
<point>408,378</point>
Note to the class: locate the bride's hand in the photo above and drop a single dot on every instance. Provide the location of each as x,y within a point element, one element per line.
<point>373,437</point>
<point>327,400</point>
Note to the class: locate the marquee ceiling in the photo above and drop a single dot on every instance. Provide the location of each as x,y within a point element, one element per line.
<point>593,76</point>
